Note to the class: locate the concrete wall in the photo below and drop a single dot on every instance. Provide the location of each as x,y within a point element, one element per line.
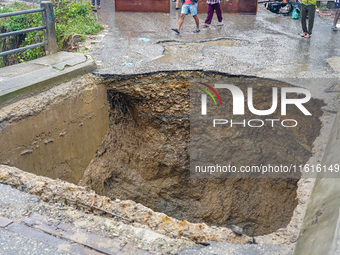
<point>320,230</point>
<point>60,140</point>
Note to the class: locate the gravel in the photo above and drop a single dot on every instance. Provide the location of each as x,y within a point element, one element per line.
<point>16,244</point>
<point>18,205</point>
<point>245,249</point>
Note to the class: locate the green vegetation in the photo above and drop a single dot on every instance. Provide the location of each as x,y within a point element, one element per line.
<point>70,17</point>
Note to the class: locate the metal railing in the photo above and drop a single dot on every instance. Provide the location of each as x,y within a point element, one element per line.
<point>46,9</point>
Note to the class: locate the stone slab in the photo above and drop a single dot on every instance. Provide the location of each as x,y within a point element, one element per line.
<point>77,235</point>
<point>4,222</point>
<point>57,58</point>
<point>51,240</point>
<point>14,70</point>
<point>15,244</point>
<point>70,62</point>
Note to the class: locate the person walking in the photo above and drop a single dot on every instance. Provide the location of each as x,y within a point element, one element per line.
<point>177,4</point>
<point>337,15</point>
<point>213,5</point>
<point>189,6</point>
<point>307,8</point>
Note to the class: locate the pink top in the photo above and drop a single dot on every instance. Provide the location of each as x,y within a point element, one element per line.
<point>188,2</point>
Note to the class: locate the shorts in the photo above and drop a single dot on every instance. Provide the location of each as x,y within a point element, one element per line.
<point>337,4</point>
<point>189,8</point>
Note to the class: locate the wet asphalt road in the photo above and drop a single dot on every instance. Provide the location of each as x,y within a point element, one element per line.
<point>265,45</point>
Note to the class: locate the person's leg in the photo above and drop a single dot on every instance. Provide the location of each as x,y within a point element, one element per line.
<point>336,18</point>
<point>177,4</point>
<point>93,3</point>
<point>303,18</point>
<point>210,14</point>
<point>311,16</point>
<point>197,21</point>
<point>185,11</point>
<point>193,11</point>
<point>180,22</point>
<point>98,4</point>
<point>218,12</point>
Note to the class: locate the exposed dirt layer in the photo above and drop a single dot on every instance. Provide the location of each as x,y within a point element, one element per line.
<point>144,156</point>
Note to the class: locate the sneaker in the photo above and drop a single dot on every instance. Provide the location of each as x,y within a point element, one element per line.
<point>197,30</point>
<point>220,23</point>
<point>99,7</point>
<point>175,30</point>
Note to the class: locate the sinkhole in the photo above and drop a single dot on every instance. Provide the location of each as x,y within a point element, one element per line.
<point>128,137</point>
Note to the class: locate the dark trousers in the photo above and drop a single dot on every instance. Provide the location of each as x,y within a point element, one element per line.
<point>98,2</point>
<point>211,8</point>
<point>310,11</point>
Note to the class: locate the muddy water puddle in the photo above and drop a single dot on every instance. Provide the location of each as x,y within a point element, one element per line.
<point>181,52</point>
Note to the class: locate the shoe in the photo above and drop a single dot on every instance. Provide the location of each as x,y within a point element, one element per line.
<point>206,25</point>
<point>304,34</point>
<point>99,7</point>
<point>307,36</point>
<point>197,30</point>
<point>220,23</point>
<point>334,28</point>
<point>175,30</point>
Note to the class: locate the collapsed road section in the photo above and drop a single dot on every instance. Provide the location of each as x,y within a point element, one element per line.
<point>142,128</point>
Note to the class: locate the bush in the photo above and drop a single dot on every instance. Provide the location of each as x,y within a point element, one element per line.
<point>70,18</point>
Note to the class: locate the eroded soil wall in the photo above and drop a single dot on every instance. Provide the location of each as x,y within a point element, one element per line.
<point>144,156</point>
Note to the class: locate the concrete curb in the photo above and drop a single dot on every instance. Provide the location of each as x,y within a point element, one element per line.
<point>19,80</point>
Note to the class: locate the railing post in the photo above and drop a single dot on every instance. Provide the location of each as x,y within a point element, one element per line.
<point>49,32</point>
